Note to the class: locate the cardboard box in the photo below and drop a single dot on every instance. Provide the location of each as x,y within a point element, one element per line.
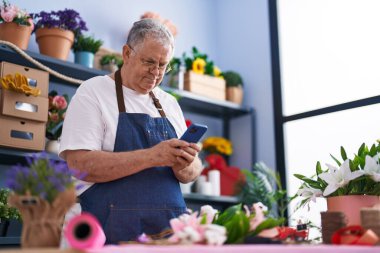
<point>23,106</point>
<point>37,78</point>
<point>208,86</point>
<point>20,133</point>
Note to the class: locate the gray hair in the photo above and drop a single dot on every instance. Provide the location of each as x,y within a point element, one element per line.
<point>149,28</point>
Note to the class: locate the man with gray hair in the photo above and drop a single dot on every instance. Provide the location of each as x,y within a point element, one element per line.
<point>122,131</point>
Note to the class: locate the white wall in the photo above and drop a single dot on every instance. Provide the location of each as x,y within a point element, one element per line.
<point>234,33</point>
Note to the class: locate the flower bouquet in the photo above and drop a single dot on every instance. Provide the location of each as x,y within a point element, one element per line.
<point>235,225</point>
<point>43,191</point>
<point>16,25</point>
<point>56,115</point>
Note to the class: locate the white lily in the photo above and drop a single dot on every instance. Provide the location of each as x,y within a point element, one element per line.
<point>372,167</point>
<point>309,193</point>
<point>337,178</point>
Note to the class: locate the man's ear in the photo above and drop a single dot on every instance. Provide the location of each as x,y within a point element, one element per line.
<point>126,51</point>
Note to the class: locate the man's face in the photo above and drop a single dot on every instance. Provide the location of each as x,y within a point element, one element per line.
<point>146,65</point>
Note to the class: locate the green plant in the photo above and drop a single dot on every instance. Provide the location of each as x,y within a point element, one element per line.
<point>263,185</point>
<point>111,58</point>
<point>356,176</point>
<point>7,212</point>
<point>233,79</point>
<point>87,44</point>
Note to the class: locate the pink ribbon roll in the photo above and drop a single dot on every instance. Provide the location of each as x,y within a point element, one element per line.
<point>84,232</point>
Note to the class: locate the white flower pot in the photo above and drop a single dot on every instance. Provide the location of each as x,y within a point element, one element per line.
<point>52,146</point>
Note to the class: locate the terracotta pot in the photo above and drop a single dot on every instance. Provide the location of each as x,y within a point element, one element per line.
<point>235,94</point>
<point>55,42</point>
<point>17,34</point>
<point>350,205</point>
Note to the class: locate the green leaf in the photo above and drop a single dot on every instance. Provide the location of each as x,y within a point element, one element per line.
<point>373,151</point>
<point>361,149</point>
<point>318,168</point>
<point>336,160</point>
<point>267,224</point>
<point>343,153</point>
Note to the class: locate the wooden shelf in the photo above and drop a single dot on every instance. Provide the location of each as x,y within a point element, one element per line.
<point>192,102</point>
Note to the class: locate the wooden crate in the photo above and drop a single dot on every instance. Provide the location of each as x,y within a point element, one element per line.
<point>208,86</point>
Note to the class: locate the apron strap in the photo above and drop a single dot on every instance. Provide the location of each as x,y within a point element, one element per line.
<point>120,97</point>
<point>157,104</point>
<point>119,91</point>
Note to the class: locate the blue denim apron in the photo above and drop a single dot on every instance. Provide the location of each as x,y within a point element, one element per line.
<point>143,202</point>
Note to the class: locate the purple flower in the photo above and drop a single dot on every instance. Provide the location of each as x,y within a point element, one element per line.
<point>42,177</point>
<point>67,19</point>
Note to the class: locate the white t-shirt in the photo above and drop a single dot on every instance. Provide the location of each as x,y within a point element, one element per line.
<point>92,116</point>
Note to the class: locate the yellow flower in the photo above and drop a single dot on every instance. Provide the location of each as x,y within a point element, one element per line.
<point>199,66</point>
<point>217,71</point>
<point>218,145</point>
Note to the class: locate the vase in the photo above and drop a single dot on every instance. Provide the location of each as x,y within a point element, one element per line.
<point>16,34</point>
<point>235,94</point>
<point>350,205</point>
<point>84,58</point>
<point>55,42</point>
<point>42,221</point>
<point>52,146</point>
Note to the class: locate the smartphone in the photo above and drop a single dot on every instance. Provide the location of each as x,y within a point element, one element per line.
<point>194,133</point>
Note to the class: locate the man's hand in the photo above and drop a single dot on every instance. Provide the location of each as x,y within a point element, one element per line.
<point>166,153</point>
<point>188,166</point>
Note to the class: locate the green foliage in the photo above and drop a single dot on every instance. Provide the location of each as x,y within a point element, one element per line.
<point>264,185</point>
<point>236,223</point>
<point>7,212</point>
<point>366,184</point>
<point>233,79</point>
<point>86,44</point>
<point>111,58</point>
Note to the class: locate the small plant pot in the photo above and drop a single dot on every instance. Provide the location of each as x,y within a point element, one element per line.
<point>55,42</point>
<point>111,67</point>
<point>84,58</point>
<point>235,94</point>
<point>16,34</point>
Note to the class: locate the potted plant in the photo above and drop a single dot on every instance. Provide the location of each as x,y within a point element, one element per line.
<point>56,30</point>
<point>56,115</point>
<point>202,76</point>
<point>16,25</point>
<point>111,62</point>
<point>85,48</point>
<point>42,191</point>
<point>7,214</point>
<point>234,82</point>
<point>352,184</point>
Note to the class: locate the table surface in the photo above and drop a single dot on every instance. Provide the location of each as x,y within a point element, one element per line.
<point>212,249</point>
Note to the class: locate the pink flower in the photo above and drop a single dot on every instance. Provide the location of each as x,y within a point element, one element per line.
<point>9,13</point>
<point>187,229</point>
<point>59,102</point>
<point>54,117</point>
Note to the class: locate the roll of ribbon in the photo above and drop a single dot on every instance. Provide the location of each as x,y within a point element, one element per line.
<point>84,232</point>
